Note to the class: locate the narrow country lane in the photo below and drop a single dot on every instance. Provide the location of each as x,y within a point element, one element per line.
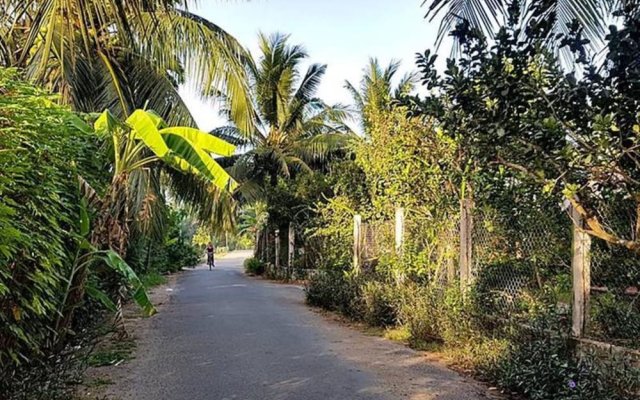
<point>227,336</point>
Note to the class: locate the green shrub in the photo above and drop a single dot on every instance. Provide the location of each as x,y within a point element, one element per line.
<point>253,266</point>
<point>416,311</point>
<point>182,255</point>
<point>42,151</point>
<point>335,291</point>
<point>153,279</point>
<point>544,368</point>
<point>615,319</point>
<point>379,303</point>
<point>147,256</point>
<point>434,313</point>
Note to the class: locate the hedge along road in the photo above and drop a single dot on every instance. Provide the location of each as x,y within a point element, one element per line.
<point>227,336</point>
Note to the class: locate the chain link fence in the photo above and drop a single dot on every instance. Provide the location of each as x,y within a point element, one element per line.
<point>614,308</point>
<point>518,258</point>
<point>520,261</point>
<point>521,265</point>
<point>377,240</point>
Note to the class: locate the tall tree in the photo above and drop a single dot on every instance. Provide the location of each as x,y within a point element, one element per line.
<point>295,130</point>
<point>123,55</point>
<point>377,89</point>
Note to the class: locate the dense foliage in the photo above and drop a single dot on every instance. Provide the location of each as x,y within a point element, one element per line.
<point>74,200</point>
<point>253,266</point>
<point>574,136</point>
<point>506,128</point>
<point>39,211</point>
<point>123,55</point>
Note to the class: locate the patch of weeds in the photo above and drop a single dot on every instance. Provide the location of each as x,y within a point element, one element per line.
<point>115,353</point>
<point>153,279</point>
<point>372,331</point>
<point>398,334</point>
<point>428,346</point>
<point>98,382</point>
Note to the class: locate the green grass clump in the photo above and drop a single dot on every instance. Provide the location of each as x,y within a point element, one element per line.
<point>153,279</point>
<point>254,266</point>
<point>115,353</point>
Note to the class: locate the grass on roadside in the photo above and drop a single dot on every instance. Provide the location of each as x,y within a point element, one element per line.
<point>397,334</point>
<point>99,382</point>
<point>113,353</point>
<point>152,279</point>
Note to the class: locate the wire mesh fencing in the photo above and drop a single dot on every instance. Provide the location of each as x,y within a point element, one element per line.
<point>614,307</point>
<point>435,245</point>
<point>377,240</point>
<point>518,257</point>
<point>521,263</point>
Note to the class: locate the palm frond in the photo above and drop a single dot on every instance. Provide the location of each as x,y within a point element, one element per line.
<point>232,135</point>
<point>179,34</point>
<point>310,82</point>
<point>213,206</point>
<point>355,95</point>
<point>376,89</point>
<point>487,15</point>
<point>251,191</point>
<point>482,14</point>
<point>406,85</point>
<point>147,207</point>
<point>318,148</point>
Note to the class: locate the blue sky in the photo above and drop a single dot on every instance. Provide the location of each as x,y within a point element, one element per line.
<point>340,33</point>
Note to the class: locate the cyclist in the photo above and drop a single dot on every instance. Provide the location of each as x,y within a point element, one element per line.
<point>210,251</point>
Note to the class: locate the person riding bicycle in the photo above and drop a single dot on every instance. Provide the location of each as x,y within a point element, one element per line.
<point>210,252</point>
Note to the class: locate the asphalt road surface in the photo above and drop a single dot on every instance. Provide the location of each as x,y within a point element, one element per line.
<point>227,336</point>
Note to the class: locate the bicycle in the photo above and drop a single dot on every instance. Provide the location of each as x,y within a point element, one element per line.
<point>210,261</point>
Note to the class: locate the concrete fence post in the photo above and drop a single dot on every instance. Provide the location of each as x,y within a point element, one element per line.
<point>267,253</point>
<point>581,275</point>
<point>357,240</point>
<point>399,230</point>
<point>466,243</point>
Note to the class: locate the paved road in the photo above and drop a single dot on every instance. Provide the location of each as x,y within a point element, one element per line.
<point>226,336</point>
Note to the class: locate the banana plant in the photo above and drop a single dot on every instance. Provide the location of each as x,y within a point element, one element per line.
<point>140,145</point>
<point>87,258</point>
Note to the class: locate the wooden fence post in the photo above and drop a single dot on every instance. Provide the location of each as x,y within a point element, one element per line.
<point>581,273</point>
<point>292,244</point>
<point>399,230</point>
<point>277,245</point>
<point>357,242</point>
<point>466,243</point>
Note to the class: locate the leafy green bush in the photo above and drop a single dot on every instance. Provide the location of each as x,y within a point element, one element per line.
<point>181,255</point>
<point>418,311</point>
<point>253,266</point>
<point>335,291</point>
<point>146,255</point>
<point>379,304</point>
<point>615,319</point>
<point>543,367</point>
<point>42,150</point>
<point>153,279</point>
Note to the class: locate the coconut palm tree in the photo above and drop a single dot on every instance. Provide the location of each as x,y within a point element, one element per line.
<point>377,90</point>
<point>123,55</point>
<point>593,15</point>
<point>252,218</point>
<point>295,130</point>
